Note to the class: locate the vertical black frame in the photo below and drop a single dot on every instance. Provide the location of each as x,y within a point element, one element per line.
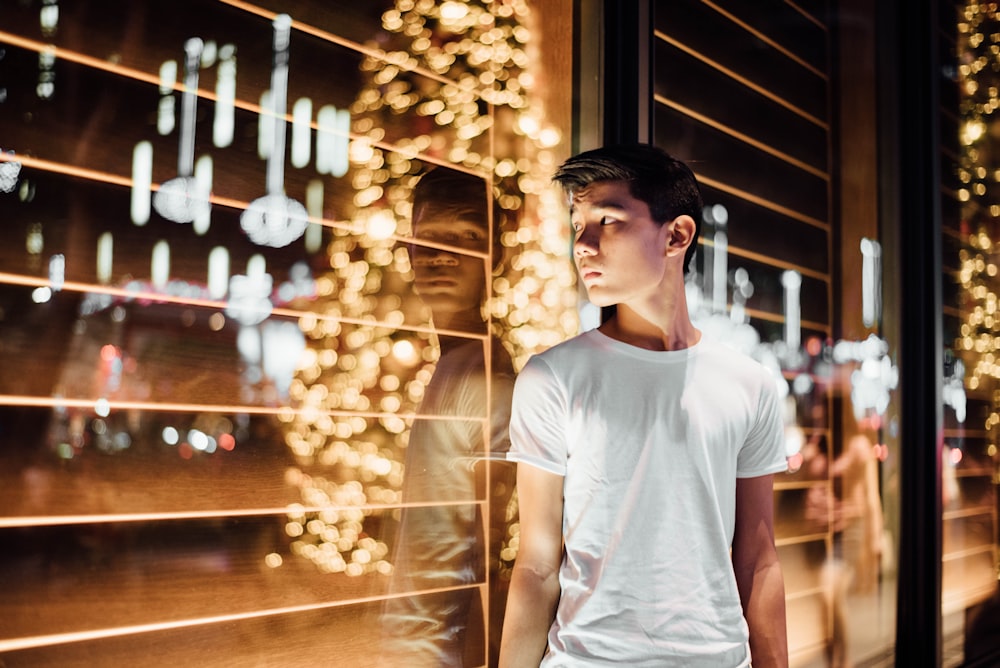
<point>627,76</point>
<point>910,69</point>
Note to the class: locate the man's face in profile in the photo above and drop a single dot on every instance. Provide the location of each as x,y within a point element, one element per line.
<point>450,283</point>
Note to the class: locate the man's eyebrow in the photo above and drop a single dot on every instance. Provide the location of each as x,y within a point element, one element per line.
<point>610,203</point>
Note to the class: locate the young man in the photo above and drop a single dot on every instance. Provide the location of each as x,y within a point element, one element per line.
<point>645,454</point>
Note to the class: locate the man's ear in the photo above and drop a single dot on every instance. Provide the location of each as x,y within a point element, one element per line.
<point>682,231</point>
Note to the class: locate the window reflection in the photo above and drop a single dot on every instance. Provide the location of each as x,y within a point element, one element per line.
<point>248,421</point>
<point>440,544</point>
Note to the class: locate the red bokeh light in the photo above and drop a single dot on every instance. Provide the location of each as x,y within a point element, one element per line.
<point>227,442</point>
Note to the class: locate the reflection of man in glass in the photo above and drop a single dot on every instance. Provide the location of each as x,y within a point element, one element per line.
<point>450,467</point>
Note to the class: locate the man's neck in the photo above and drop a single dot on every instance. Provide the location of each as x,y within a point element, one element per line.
<point>673,331</point>
<point>470,320</point>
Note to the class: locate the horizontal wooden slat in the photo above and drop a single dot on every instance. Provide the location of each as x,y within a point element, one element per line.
<point>155,33</point>
<point>782,23</point>
<point>138,574</point>
<point>726,46</point>
<point>816,11</point>
<point>752,113</point>
<point>766,232</point>
<point>807,630</point>
<point>719,157</point>
<point>968,579</point>
<point>349,634</point>
<point>971,493</point>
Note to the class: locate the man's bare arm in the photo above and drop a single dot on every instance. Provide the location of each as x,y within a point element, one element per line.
<point>758,572</point>
<point>534,585</point>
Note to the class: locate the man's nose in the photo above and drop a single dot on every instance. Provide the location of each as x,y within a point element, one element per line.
<point>429,257</point>
<point>587,243</point>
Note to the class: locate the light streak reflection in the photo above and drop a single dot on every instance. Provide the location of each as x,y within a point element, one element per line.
<point>27,521</point>
<point>130,294</point>
<point>32,642</point>
<point>111,405</point>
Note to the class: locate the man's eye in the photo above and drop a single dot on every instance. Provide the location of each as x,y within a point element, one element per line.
<point>607,221</point>
<point>460,238</point>
<point>442,237</point>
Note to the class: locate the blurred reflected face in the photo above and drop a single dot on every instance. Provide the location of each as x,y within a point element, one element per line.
<point>449,282</point>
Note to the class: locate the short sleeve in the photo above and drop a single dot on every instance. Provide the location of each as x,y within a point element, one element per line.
<point>538,419</point>
<point>763,452</point>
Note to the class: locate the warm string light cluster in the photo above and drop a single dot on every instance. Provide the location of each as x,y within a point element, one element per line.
<point>979,61</point>
<point>452,85</point>
<point>537,299</point>
<point>980,331</point>
<point>979,174</point>
<point>352,462</point>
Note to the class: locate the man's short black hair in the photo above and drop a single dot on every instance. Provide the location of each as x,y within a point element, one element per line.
<point>452,194</point>
<point>448,192</point>
<point>664,183</point>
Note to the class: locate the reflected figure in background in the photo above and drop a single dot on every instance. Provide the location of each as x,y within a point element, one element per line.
<point>855,510</point>
<point>451,464</point>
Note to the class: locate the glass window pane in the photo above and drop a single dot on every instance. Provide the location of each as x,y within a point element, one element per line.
<point>267,272</point>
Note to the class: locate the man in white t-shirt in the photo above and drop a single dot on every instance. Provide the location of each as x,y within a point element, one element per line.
<point>645,453</point>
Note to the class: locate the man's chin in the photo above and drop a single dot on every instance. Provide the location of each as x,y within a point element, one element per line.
<point>597,299</point>
<point>448,302</point>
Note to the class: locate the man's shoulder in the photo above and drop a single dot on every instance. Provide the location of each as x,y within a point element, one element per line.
<point>574,345</point>
<point>729,361</point>
<point>561,360</point>
<point>722,351</point>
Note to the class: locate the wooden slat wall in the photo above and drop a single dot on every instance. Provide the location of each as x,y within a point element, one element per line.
<point>745,93</point>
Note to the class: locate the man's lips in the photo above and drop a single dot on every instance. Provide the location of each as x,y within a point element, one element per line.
<point>437,282</point>
<point>589,273</point>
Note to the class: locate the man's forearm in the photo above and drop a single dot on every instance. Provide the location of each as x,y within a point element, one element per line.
<point>765,615</point>
<point>531,606</point>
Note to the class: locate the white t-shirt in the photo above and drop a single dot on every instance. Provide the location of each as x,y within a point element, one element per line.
<point>650,445</point>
